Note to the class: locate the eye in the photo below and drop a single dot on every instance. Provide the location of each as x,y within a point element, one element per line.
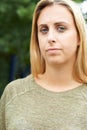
<point>44,30</point>
<point>61,28</point>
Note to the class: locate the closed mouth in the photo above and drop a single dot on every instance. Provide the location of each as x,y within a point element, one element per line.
<point>53,49</point>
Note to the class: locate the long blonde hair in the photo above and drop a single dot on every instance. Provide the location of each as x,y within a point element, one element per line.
<point>37,62</point>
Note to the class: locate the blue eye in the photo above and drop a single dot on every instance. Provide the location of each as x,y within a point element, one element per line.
<point>44,30</point>
<point>61,28</point>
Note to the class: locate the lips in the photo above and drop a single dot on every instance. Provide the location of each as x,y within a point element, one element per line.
<point>53,49</point>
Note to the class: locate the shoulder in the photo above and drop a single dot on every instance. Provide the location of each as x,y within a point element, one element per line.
<point>20,84</point>
<point>17,87</point>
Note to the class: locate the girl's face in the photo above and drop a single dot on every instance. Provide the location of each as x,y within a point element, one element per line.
<point>57,35</point>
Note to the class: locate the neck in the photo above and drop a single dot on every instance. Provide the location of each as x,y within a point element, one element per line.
<point>58,78</point>
<point>61,75</point>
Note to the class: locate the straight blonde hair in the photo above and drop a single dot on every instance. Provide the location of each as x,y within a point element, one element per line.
<point>37,61</point>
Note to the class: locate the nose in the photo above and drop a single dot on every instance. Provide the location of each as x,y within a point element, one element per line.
<point>51,36</point>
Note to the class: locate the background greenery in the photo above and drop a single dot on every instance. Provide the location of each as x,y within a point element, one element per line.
<point>15,30</point>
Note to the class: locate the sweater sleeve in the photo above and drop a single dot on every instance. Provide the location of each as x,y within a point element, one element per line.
<point>11,90</point>
<point>7,96</point>
<point>2,111</point>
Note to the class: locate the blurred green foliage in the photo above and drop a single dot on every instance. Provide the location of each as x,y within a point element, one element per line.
<point>15,30</point>
<point>78,0</point>
<point>15,27</point>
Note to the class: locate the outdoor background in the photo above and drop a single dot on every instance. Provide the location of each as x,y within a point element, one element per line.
<point>15,30</point>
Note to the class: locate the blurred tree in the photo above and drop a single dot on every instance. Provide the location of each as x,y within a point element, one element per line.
<point>15,30</point>
<point>15,27</point>
<point>79,0</point>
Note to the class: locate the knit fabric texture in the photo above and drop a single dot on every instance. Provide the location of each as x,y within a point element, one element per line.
<point>25,105</point>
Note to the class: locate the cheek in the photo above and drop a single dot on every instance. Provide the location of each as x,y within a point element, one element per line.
<point>71,47</point>
<point>72,40</point>
<point>41,46</point>
<point>41,43</point>
<point>71,44</point>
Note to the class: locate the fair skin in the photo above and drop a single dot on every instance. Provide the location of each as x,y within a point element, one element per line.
<point>58,42</point>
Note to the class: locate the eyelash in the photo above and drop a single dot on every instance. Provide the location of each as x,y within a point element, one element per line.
<point>44,30</point>
<point>60,29</point>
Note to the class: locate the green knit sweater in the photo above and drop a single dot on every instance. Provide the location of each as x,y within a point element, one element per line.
<point>25,105</point>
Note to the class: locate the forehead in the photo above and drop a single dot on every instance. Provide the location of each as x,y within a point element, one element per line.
<point>55,13</point>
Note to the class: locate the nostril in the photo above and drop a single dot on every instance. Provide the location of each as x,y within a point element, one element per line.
<point>51,41</point>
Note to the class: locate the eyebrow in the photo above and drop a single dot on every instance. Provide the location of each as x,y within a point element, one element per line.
<point>56,23</point>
